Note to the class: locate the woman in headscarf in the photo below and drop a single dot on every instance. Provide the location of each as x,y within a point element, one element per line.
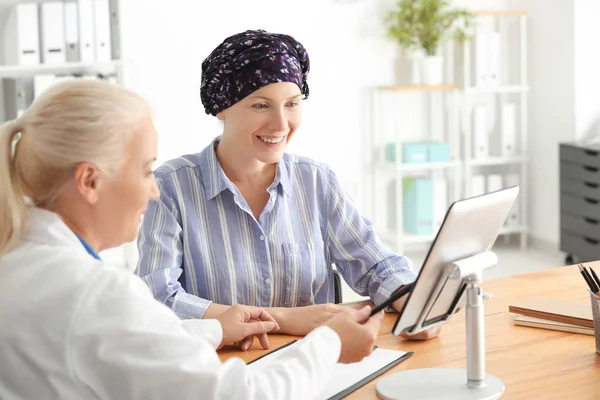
<point>243,221</point>
<point>75,177</point>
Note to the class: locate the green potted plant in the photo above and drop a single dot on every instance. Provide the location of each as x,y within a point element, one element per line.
<point>422,25</point>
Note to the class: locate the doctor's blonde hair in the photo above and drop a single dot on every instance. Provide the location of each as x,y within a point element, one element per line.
<point>72,122</point>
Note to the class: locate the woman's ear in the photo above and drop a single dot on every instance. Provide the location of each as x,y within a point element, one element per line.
<point>220,116</point>
<point>88,181</point>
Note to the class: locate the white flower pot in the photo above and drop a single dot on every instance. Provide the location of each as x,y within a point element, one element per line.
<point>416,58</point>
<point>408,68</point>
<point>432,70</point>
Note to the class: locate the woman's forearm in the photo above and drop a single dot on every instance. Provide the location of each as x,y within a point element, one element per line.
<point>297,321</point>
<point>214,310</point>
<point>280,315</point>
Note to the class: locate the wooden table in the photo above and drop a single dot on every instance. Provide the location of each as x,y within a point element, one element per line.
<point>533,363</point>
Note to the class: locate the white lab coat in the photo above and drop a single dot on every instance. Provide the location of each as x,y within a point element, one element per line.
<point>73,328</point>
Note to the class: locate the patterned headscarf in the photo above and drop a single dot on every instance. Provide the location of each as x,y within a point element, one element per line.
<point>247,61</point>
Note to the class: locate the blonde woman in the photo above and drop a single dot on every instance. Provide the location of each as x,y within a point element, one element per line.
<point>71,327</point>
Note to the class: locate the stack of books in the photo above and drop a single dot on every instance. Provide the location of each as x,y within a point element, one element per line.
<point>554,314</point>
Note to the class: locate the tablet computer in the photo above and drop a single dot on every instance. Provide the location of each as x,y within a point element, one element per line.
<point>470,227</point>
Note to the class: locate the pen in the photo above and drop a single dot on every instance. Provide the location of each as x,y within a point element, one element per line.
<point>596,279</point>
<point>591,284</point>
<point>395,296</point>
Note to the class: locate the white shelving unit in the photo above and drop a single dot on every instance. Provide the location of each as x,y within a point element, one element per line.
<point>453,104</point>
<point>108,69</point>
<point>386,177</point>
<point>516,86</point>
<point>123,255</point>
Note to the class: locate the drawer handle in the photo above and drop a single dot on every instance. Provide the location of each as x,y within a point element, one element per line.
<point>590,240</point>
<point>591,221</point>
<point>590,169</point>
<point>591,152</point>
<point>591,201</point>
<point>591,185</point>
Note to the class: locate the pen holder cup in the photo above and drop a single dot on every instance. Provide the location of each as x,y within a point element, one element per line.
<point>596,314</point>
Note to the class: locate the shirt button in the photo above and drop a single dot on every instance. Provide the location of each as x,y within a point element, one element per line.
<point>268,281</point>
<point>262,237</point>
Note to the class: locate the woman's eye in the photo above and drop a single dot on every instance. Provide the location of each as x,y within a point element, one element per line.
<point>260,106</point>
<point>293,104</point>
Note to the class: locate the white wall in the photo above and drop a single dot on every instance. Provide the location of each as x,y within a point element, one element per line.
<point>551,102</point>
<point>564,76</point>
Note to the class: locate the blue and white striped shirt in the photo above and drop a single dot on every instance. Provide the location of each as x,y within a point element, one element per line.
<point>200,242</point>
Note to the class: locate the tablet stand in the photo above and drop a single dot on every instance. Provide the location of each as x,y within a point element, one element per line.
<point>450,383</point>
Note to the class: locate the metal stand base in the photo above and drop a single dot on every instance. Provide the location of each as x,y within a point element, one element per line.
<point>437,384</point>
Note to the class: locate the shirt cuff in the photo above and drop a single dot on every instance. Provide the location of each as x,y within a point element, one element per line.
<point>330,341</point>
<point>207,329</point>
<point>391,284</point>
<point>188,306</point>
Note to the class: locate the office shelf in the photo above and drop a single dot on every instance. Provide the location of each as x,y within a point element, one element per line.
<point>15,71</point>
<point>420,88</point>
<point>495,161</point>
<point>497,89</point>
<point>410,238</point>
<point>392,166</point>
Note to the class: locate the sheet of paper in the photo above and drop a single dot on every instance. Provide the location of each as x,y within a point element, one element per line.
<point>344,375</point>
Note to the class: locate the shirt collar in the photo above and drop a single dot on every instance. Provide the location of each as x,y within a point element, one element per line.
<point>215,180</point>
<point>282,177</point>
<point>47,227</point>
<point>213,177</point>
<point>89,248</point>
